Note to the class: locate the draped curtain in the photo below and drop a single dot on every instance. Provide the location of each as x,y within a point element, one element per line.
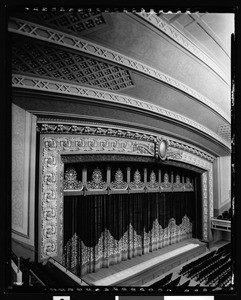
<point>102,230</point>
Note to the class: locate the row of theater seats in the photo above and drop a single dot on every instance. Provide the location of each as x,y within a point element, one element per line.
<point>212,269</point>
<point>226,215</point>
<point>168,282</point>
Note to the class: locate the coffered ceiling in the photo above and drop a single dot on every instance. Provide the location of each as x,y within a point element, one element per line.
<point>176,66</point>
<point>48,61</point>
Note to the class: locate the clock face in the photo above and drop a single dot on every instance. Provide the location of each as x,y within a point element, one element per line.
<point>162,149</point>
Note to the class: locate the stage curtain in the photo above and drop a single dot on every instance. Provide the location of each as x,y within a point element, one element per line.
<point>102,230</point>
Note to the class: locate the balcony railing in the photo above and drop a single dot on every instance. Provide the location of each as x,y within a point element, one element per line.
<point>220,224</point>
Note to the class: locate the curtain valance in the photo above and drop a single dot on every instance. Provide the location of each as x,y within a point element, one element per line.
<point>123,179</point>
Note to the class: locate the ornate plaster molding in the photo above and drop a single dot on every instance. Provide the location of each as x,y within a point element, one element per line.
<point>190,149</point>
<point>207,186</point>
<point>179,38</point>
<point>52,179</point>
<point>210,181</point>
<point>52,146</point>
<point>103,130</point>
<point>45,124</point>
<point>205,205</point>
<point>190,158</point>
<point>57,37</point>
<point>97,144</point>
<point>29,82</point>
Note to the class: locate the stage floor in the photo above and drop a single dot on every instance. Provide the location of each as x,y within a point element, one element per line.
<point>138,264</point>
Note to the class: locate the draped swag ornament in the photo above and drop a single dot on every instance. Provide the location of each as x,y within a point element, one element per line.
<point>103,230</point>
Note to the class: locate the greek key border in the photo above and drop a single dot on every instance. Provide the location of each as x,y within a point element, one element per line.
<point>46,126</point>
<point>51,179</point>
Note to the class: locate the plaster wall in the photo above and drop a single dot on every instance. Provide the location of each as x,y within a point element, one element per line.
<point>222,184</point>
<point>23,177</point>
<point>143,42</point>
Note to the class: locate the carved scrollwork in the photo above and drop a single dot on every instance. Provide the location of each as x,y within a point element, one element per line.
<point>70,181</point>
<point>137,184</point>
<point>50,143</point>
<point>51,195</point>
<point>49,231</point>
<point>166,185</point>
<point>96,183</point>
<point>174,154</point>
<point>205,205</point>
<point>143,149</point>
<point>49,178</point>
<point>50,248</point>
<point>152,184</point>
<point>188,185</point>
<point>49,213</point>
<point>177,185</point>
<point>119,183</point>
<point>190,149</point>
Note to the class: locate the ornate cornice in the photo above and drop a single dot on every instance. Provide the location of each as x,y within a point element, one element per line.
<point>29,82</point>
<point>176,143</point>
<point>193,150</point>
<point>192,159</point>
<point>98,144</point>
<point>53,36</point>
<point>179,38</point>
<point>95,130</point>
<point>102,130</point>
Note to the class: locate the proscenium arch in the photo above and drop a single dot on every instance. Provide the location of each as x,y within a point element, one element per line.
<point>53,146</point>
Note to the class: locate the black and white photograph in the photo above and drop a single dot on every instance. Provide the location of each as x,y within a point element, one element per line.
<point>122,151</point>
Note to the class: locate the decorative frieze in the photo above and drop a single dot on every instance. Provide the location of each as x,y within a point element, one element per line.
<point>166,186</point>
<point>190,149</point>
<point>53,36</point>
<point>188,184</point>
<point>174,154</point>
<point>152,184</point>
<point>194,160</point>
<point>84,144</point>
<point>137,184</point>
<point>97,183</point>
<point>210,183</point>
<point>70,181</point>
<point>205,208</point>
<point>178,186</point>
<point>119,184</point>
<point>173,145</point>
<point>29,82</point>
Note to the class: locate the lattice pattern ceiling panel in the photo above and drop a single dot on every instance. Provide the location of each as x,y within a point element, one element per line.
<point>225,132</point>
<point>71,22</point>
<point>52,62</point>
